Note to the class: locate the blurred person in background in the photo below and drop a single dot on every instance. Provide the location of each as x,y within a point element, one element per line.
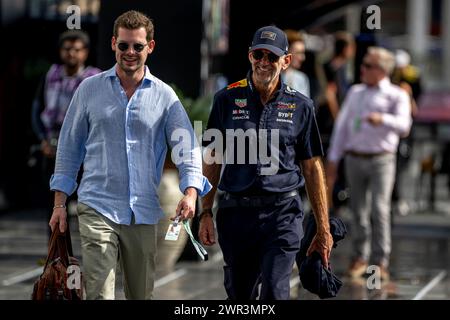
<point>407,77</point>
<point>54,95</point>
<point>336,87</point>
<point>292,76</point>
<point>374,115</point>
<point>337,84</point>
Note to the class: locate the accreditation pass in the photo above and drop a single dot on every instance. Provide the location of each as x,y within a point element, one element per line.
<point>173,232</point>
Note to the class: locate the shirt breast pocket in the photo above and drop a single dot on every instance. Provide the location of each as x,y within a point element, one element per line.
<point>382,104</point>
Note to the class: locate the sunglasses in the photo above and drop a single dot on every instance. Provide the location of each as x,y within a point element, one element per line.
<point>300,53</point>
<point>368,65</point>
<point>138,47</point>
<point>67,49</point>
<point>259,54</point>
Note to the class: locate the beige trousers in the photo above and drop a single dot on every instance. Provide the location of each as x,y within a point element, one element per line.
<point>104,243</point>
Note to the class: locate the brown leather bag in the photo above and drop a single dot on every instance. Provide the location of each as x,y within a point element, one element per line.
<point>61,278</point>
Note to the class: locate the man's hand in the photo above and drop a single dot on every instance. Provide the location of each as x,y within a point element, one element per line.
<point>375,118</point>
<point>186,206</point>
<point>206,230</point>
<point>322,243</point>
<point>59,217</point>
<point>47,149</point>
<point>407,87</point>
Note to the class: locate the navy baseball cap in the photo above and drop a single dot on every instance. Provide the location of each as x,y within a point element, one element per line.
<point>270,38</point>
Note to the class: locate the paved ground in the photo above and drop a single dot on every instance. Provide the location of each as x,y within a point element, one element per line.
<point>420,263</point>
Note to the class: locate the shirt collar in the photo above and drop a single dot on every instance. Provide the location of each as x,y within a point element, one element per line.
<point>148,77</point>
<point>383,83</point>
<point>79,72</point>
<point>250,81</point>
<point>251,85</point>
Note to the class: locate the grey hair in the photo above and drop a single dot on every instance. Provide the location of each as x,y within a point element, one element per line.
<point>386,59</point>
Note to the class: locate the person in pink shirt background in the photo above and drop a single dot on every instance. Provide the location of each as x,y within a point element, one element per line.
<point>374,115</point>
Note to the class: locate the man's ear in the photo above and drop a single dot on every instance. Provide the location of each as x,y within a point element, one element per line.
<point>250,56</point>
<point>286,61</point>
<point>151,46</point>
<point>113,43</point>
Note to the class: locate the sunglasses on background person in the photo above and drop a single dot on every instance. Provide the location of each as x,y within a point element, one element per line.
<point>259,54</point>
<point>138,47</point>
<point>70,48</point>
<point>369,65</point>
<point>299,53</point>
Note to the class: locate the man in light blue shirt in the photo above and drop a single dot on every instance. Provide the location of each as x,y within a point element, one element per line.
<point>118,126</point>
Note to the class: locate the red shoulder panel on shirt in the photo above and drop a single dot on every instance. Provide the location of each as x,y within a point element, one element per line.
<point>240,83</point>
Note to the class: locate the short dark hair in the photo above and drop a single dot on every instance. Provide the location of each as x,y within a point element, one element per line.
<point>342,40</point>
<point>74,35</point>
<point>134,20</point>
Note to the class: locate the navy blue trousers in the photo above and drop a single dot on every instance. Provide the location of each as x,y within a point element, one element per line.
<point>259,245</point>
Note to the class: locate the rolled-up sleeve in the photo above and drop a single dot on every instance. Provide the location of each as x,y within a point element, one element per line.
<point>71,146</point>
<point>185,150</point>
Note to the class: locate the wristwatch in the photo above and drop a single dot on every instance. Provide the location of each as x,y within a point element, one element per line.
<point>206,211</point>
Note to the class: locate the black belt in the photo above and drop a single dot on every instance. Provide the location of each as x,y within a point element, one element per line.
<point>230,200</point>
<point>367,155</point>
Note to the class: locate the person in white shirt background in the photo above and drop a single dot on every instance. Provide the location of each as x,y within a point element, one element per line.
<point>293,77</point>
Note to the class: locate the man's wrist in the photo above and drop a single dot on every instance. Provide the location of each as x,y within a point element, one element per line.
<point>207,211</point>
<point>323,229</point>
<point>56,206</point>
<point>190,191</point>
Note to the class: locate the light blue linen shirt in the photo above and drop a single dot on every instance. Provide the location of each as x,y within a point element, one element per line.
<point>123,144</point>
